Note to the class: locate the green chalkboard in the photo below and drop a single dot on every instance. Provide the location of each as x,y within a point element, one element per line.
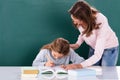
<point>26,25</point>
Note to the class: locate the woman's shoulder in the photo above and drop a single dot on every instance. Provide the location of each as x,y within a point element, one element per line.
<point>100,16</point>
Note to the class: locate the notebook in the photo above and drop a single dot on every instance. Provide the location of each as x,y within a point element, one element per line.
<point>53,70</point>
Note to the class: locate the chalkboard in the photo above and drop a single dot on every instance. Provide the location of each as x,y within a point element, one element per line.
<point>27,25</point>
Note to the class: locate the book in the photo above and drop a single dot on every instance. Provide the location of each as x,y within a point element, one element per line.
<point>52,73</point>
<point>53,70</point>
<point>98,69</point>
<point>82,78</point>
<point>29,78</point>
<point>82,72</point>
<point>29,71</point>
<point>53,76</point>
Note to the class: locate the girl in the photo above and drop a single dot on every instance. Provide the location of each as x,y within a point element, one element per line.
<point>57,53</point>
<point>96,32</point>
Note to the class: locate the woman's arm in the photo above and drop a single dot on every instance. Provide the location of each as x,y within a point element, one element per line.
<point>78,43</point>
<point>74,46</point>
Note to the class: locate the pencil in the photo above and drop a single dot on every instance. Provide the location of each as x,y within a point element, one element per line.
<point>48,58</point>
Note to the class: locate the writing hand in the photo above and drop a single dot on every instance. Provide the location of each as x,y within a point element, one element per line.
<point>49,64</point>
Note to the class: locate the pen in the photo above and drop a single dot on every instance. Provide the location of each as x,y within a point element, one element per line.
<point>50,62</point>
<point>48,58</point>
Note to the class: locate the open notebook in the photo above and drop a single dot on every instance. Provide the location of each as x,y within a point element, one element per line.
<point>51,73</point>
<point>53,76</point>
<point>53,70</point>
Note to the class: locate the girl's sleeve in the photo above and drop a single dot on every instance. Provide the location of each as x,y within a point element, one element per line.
<point>80,40</point>
<point>75,58</point>
<point>100,43</point>
<point>40,60</point>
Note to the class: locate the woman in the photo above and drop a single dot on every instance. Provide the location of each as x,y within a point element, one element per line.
<point>96,32</point>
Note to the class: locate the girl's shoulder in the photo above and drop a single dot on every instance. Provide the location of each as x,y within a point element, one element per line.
<point>71,52</point>
<point>44,51</point>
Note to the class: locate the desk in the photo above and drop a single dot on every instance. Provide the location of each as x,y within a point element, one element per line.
<point>107,73</point>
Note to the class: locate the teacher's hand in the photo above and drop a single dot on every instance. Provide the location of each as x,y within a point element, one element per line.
<point>72,66</point>
<point>74,46</point>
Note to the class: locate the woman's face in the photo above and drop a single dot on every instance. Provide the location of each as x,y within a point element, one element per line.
<point>76,21</point>
<point>57,55</point>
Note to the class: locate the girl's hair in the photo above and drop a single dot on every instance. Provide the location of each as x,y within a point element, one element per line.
<point>82,11</point>
<point>59,45</point>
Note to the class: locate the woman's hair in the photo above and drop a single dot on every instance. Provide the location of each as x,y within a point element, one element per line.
<point>59,45</point>
<point>81,10</point>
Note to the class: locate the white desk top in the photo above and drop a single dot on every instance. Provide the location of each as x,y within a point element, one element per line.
<point>103,73</point>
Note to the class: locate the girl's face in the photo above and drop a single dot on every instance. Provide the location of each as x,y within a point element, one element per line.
<point>76,21</point>
<point>57,55</point>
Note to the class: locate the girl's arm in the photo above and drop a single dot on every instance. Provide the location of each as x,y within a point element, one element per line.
<point>75,58</point>
<point>41,59</point>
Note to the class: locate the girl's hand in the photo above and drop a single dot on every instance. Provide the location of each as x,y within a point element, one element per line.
<point>72,66</point>
<point>63,66</point>
<point>49,64</point>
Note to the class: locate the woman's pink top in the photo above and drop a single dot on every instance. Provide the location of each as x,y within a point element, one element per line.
<point>100,39</point>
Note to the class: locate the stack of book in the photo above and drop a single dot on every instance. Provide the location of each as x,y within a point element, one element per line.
<point>82,72</point>
<point>29,72</point>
